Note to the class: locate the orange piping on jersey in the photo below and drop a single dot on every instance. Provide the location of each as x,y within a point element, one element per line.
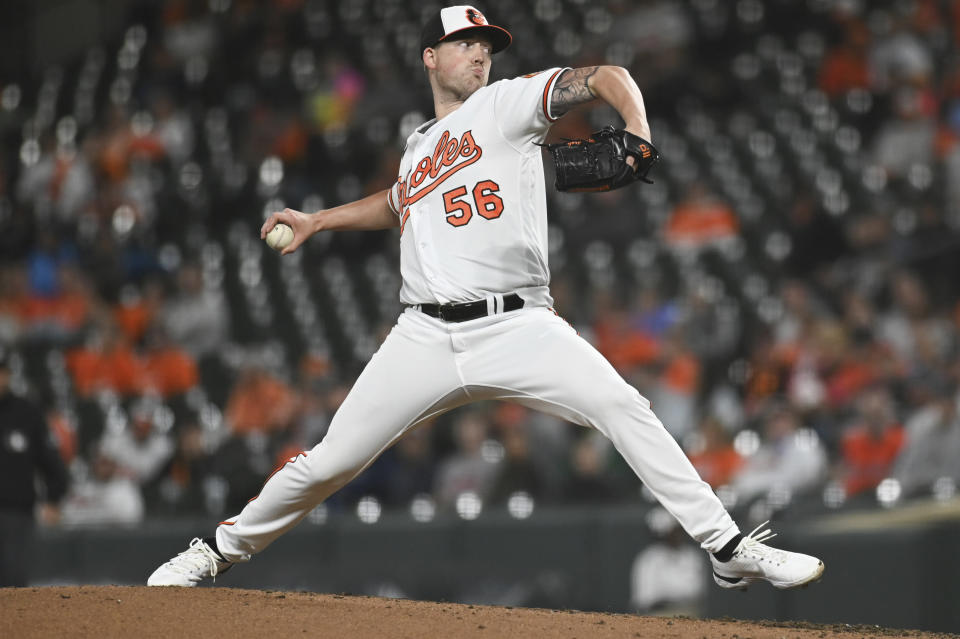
<point>277,470</point>
<point>550,308</point>
<point>546,96</point>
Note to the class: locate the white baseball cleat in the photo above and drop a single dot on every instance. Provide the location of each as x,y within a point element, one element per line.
<point>755,561</point>
<point>190,567</point>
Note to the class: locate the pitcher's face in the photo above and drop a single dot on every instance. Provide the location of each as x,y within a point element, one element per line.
<point>462,66</point>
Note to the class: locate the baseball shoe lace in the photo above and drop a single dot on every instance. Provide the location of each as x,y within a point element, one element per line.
<point>752,546</point>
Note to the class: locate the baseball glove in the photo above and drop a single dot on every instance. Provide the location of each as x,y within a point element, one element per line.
<point>599,163</point>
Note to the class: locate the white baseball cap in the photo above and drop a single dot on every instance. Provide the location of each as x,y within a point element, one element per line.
<point>460,20</point>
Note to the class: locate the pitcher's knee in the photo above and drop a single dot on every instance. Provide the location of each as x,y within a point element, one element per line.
<point>328,475</point>
<point>618,401</point>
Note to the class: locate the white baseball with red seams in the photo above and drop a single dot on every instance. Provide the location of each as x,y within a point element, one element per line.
<point>472,206</point>
<point>280,237</point>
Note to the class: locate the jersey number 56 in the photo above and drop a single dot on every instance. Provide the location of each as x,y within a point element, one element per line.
<point>485,199</point>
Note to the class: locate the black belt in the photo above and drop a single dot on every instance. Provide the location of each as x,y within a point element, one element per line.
<point>466,311</point>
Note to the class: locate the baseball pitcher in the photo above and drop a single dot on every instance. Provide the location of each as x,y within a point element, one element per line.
<point>470,204</point>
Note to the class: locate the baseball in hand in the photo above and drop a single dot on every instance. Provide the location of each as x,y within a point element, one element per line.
<point>279,236</point>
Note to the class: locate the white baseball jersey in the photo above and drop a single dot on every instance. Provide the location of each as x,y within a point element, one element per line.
<point>471,198</point>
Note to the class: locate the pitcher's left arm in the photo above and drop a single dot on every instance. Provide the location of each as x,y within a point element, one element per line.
<point>614,85</point>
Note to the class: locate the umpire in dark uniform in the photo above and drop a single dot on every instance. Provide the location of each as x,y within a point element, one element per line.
<point>26,450</point>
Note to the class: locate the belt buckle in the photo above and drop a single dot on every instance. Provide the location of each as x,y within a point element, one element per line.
<point>441,308</point>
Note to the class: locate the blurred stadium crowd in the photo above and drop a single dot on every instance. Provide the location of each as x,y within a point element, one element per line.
<point>785,294</point>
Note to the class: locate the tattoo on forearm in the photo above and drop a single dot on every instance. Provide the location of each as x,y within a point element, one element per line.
<point>571,89</point>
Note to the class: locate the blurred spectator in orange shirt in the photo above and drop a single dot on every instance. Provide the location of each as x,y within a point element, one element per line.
<point>871,443</point>
<point>845,67</point>
<point>844,366</point>
<point>121,143</point>
<point>682,374</point>
<point>260,402</point>
<point>767,375</point>
<point>623,344</point>
<point>137,309</point>
<point>831,366</point>
<point>168,369</point>
<point>713,454</point>
<point>700,219</point>
<point>105,362</point>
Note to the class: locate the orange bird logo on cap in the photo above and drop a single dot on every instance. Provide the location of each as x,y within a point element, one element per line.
<point>476,17</point>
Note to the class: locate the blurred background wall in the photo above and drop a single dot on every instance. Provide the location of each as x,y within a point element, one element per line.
<point>785,294</point>
<point>45,32</point>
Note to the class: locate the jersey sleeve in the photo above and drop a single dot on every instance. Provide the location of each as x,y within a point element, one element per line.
<point>394,197</point>
<point>522,106</point>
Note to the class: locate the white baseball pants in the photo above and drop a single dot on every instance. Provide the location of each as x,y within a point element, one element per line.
<point>426,367</point>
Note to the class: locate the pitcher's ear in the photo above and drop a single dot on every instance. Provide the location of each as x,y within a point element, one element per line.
<point>430,58</point>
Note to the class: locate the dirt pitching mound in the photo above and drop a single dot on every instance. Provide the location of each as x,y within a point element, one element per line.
<point>115,611</point>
